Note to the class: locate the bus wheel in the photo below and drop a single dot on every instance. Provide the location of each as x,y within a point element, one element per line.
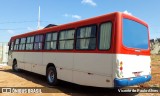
<point>15,67</point>
<point>52,76</point>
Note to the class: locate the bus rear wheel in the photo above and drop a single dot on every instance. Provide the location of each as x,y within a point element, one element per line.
<point>15,67</point>
<point>52,76</point>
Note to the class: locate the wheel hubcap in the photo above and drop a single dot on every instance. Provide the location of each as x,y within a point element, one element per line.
<point>51,76</point>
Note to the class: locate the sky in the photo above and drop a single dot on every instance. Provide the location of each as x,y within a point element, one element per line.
<point>21,16</point>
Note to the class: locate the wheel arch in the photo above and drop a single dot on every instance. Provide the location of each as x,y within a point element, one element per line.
<point>49,65</point>
<point>14,60</point>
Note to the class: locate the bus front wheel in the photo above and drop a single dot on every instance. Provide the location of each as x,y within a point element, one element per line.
<point>52,76</point>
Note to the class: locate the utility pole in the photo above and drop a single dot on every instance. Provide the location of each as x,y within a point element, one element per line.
<point>39,18</point>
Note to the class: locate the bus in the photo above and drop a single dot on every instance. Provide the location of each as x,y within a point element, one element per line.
<point>110,50</point>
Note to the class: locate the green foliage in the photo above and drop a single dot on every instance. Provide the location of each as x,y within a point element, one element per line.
<point>159,52</point>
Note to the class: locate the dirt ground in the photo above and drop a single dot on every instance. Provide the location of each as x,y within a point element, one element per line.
<point>155,69</point>
<point>23,79</point>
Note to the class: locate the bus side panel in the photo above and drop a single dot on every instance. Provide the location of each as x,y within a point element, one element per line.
<point>19,56</point>
<point>37,61</point>
<point>83,78</point>
<point>28,61</point>
<point>93,69</point>
<point>63,63</point>
<point>33,62</point>
<point>28,58</point>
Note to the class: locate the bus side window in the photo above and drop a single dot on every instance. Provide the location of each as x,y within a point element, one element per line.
<point>66,40</point>
<point>29,43</point>
<point>51,41</point>
<point>86,38</point>
<point>11,45</point>
<point>16,44</point>
<point>105,36</point>
<point>38,43</point>
<point>22,44</point>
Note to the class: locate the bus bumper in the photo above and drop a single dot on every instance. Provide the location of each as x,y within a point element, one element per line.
<point>131,81</point>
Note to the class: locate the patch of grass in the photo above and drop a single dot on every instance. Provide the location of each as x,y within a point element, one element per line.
<point>155,63</point>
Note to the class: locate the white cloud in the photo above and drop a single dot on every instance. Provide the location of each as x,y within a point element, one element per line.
<point>76,16</point>
<point>126,12</point>
<point>66,15</point>
<point>90,2</point>
<point>10,31</point>
<point>72,16</point>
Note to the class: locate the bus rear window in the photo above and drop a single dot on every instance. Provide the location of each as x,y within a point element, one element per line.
<point>135,35</point>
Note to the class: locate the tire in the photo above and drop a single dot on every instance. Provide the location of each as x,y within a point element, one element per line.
<point>15,67</point>
<point>52,76</point>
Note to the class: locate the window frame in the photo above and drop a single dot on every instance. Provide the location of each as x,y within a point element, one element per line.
<point>129,47</point>
<point>91,25</point>
<point>99,31</point>
<point>11,45</point>
<point>16,44</point>
<point>45,41</point>
<point>58,39</point>
<point>34,42</point>
<point>30,43</point>
<point>22,44</point>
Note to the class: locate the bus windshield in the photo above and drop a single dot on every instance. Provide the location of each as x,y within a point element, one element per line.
<point>135,35</point>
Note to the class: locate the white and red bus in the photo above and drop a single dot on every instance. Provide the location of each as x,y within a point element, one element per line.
<point>111,50</point>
